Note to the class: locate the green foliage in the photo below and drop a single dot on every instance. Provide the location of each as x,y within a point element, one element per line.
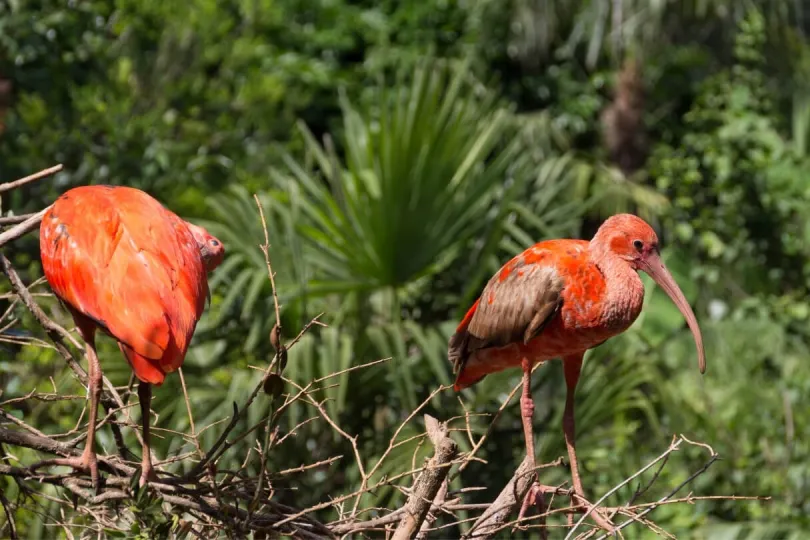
<point>736,181</point>
<point>739,208</point>
<point>423,167</point>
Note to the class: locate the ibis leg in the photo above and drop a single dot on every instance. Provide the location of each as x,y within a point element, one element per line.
<point>572,366</point>
<point>87,461</point>
<point>527,410</point>
<point>145,397</point>
<point>535,495</point>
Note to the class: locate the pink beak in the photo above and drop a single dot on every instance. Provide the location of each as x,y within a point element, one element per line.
<point>653,265</point>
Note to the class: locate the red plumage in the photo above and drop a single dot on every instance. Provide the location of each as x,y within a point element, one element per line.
<point>560,298</point>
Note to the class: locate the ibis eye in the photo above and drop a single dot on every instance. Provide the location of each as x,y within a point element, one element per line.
<point>214,243</point>
<point>638,244</point>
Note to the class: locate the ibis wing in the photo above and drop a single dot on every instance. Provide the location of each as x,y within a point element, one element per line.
<point>166,240</point>
<point>193,279</point>
<point>514,307</point>
<point>115,256</point>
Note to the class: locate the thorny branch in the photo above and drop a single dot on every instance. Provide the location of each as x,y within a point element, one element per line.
<point>212,500</point>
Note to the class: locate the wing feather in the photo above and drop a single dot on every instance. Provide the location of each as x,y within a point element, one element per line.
<point>515,306</point>
<point>173,249</point>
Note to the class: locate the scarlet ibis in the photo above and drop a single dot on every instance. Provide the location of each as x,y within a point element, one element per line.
<point>560,298</point>
<point>124,264</point>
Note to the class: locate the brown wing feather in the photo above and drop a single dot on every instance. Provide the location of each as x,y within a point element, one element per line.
<point>515,306</point>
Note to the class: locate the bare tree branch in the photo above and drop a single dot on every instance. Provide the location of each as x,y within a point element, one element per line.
<point>507,502</point>
<point>429,482</point>
<point>30,178</point>
<point>435,507</point>
<point>672,447</point>
<point>13,220</point>
<point>22,229</point>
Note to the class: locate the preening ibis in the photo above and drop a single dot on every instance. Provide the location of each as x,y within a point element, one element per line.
<point>560,298</point>
<point>124,264</point>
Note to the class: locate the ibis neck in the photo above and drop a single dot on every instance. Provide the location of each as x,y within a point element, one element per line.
<point>625,290</point>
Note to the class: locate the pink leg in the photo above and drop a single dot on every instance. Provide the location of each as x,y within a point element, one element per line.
<point>145,397</point>
<point>527,409</point>
<point>535,495</point>
<point>572,366</point>
<point>87,461</point>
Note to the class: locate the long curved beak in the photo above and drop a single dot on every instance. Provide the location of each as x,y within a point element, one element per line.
<point>653,265</point>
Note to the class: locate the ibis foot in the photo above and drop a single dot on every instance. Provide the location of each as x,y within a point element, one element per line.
<point>536,496</point>
<point>87,462</point>
<point>599,515</point>
<point>148,475</point>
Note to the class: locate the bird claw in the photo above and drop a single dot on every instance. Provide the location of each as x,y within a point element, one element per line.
<point>148,474</point>
<point>599,515</point>
<point>535,497</point>
<point>87,462</point>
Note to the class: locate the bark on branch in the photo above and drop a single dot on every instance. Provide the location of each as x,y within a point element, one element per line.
<point>35,442</point>
<point>118,488</point>
<point>31,222</point>
<point>23,228</point>
<point>429,482</point>
<point>507,502</point>
<point>30,178</point>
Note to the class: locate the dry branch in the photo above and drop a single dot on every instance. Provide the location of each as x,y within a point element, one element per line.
<point>22,229</point>
<point>118,488</point>
<point>507,503</point>
<point>674,445</point>
<point>13,220</point>
<point>36,442</point>
<point>31,222</point>
<point>435,507</point>
<point>429,482</point>
<point>30,178</point>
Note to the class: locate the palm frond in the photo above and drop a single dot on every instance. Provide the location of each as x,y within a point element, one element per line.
<point>426,164</point>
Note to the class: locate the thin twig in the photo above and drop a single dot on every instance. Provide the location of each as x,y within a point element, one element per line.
<point>266,249</point>
<point>30,178</point>
<point>9,516</point>
<point>21,229</point>
<point>13,220</point>
<point>672,447</point>
<point>211,475</point>
<point>392,444</point>
<point>671,494</point>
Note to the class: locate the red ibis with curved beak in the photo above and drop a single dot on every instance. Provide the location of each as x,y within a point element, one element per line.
<point>560,298</point>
